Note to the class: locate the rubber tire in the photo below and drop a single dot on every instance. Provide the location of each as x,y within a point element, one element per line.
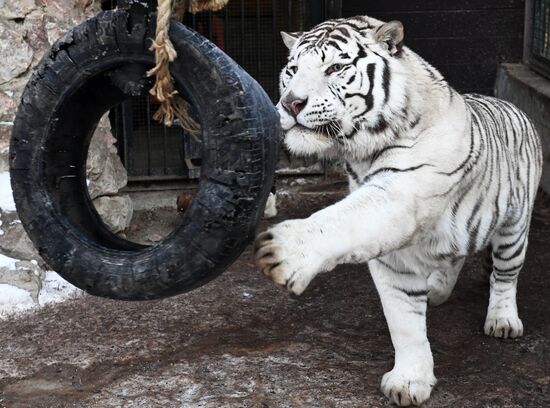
<point>94,67</point>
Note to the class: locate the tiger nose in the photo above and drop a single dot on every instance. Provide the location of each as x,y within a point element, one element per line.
<point>293,105</point>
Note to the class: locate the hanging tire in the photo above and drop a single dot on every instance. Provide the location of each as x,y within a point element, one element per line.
<point>94,67</point>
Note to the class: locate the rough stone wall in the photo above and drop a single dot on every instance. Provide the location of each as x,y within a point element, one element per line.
<point>27,30</point>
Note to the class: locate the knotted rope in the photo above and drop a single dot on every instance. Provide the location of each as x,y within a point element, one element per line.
<point>171,104</point>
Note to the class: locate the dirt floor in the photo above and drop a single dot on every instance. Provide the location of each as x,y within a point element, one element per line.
<point>241,342</point>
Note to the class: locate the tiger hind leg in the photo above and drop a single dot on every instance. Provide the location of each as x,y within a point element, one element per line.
<point>509,246</point>
<point>442,281</point>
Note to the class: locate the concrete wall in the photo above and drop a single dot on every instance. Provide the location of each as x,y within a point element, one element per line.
<point>531,93</point>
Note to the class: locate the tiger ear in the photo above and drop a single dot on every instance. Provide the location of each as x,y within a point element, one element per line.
<point>391,34</point>
<point>290,38</point>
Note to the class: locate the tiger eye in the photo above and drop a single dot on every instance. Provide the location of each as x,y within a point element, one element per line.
<point>334,68</point>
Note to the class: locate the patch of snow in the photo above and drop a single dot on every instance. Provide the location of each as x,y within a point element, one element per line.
<point>6,261</point>
<point>1,230</point>
<point>6,195</point>
<point>298,182</point>
<point>270,210</point>
<point>190,394</point>
<point>55,289</point>
<point>6,123</point>
<point>288,171</point>
<point>14,300</point>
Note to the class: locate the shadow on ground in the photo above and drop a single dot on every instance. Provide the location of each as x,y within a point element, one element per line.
<point>241,342</point>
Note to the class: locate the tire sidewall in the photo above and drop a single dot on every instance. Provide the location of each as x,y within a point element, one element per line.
<point>240,134</point>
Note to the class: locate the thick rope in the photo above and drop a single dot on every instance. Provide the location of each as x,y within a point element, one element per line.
<point>196,6</point>
<point>163,89</point>
<point>171,104</point>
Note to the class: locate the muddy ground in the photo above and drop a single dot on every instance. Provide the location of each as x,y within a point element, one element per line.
<point>241,342</point>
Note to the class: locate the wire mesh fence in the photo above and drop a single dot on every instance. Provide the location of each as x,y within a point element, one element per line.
<point>540,44</point>
<point>249,32</point>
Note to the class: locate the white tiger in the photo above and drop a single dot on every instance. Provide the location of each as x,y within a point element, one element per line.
<point>434,176</point>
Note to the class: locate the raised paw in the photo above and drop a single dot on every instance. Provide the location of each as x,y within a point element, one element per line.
<point>286,254</point>
<point>504,326</point>
<point>403,390</point>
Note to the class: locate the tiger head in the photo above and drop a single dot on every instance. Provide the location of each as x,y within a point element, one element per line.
<point>342,86</point>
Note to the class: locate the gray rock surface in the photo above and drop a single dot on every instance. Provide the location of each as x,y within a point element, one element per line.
<point>4,159</point>
<point>16,55</point>
<point>5,134</point>
<point>26,275</point>
<point>14,241</point>
<point>7,111</point>
<point>16,9</point>
<point>27,29</point>
<point>105,172</point>
<point>116,211</point>
<point>106,176</point>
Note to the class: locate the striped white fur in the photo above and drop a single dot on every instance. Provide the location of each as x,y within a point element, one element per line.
<point>434,176</point>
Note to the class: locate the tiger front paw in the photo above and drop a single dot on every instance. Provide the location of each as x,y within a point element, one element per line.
<point>287,254</point>
<point>405,389</point>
